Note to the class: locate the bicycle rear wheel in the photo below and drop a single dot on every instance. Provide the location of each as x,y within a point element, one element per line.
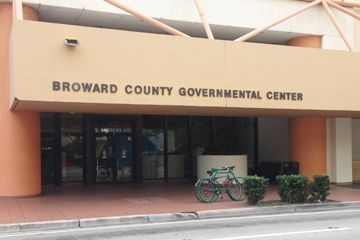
<point>205,191</point>
<point>235,190</point>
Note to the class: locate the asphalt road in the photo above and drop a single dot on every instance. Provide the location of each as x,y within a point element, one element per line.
<point>344,224</point>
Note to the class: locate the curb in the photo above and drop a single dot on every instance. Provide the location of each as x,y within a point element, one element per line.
<point>137,219</point>
<point>49,225</point>
<point>34,226</point>
<point>242,212</point>
<point>326,206</point>
<point>173,217</point>
<point>9,228</point>
<point>107,221</point>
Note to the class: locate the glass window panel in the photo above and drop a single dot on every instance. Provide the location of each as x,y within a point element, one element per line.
<point>200,139</point>
<point>245,139</point>
<point>71,147</point>
<point>114,151</point>
<point>47,148</point>
<point>153,147</point>
<point>200,135</point>
<point>224,137</point>
<point>177,146</point>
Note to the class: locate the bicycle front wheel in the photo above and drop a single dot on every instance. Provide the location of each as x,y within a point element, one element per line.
<point>205,191</point>
<point>235,190</point>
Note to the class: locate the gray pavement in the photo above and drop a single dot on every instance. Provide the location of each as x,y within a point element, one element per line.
<point>327,224</point>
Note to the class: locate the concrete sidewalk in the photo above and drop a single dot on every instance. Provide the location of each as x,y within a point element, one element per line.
<point>78,206</point>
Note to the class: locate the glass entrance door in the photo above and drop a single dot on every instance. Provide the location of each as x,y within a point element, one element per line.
<point>114,152</point>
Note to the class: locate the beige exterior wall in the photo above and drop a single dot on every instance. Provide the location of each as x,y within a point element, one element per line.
<point>128,58</point>
<point>357,32</point>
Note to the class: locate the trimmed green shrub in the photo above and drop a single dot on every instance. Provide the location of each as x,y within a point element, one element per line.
<point>293,188</point>
<point>319,188</point>
<point>255,188</point>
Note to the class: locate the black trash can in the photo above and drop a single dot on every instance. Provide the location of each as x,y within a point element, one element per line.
<point>270,170</point>
<point>290,168</point>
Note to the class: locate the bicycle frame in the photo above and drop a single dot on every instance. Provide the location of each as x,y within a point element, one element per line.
<point>219,173</point>
<point>209,189</point>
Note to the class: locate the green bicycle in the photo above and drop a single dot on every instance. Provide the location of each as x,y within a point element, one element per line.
<point>209,189</point>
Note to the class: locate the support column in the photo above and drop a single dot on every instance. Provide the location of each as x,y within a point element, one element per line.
<point>308,144</point>
<point>20,168</point>
<point>308,134</point>
<point>306,41</point>
<point>340,150</point>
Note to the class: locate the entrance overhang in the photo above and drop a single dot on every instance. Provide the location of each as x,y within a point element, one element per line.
<point>113,71</point>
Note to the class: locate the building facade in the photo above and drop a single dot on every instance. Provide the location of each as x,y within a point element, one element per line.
<point>91,94</point>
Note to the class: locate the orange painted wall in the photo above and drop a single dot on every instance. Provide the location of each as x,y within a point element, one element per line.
<point>308,134</point>
<point>20,166</point>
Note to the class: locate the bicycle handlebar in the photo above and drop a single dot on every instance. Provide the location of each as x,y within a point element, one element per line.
<point>224,168</point>
<point>227,168</point>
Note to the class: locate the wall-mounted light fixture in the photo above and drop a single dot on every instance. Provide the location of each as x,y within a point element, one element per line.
<point>72,42</point>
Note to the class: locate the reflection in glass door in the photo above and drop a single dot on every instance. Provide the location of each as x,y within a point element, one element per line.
<point>153,147</point>
<point>177,147</point>
<point>71,147</point>
<point>114,153</point>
